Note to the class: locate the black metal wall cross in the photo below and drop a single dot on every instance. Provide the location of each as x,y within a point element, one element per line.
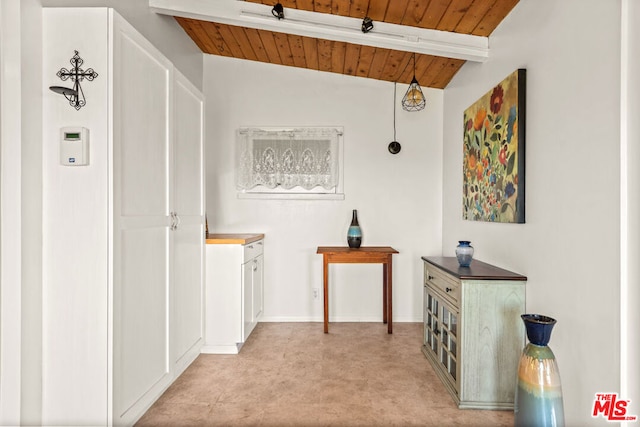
<point>76,74</point>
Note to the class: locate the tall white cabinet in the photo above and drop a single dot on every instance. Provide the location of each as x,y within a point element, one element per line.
<point>123,236</point>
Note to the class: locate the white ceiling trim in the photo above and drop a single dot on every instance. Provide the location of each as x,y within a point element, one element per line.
<point>329,27</point>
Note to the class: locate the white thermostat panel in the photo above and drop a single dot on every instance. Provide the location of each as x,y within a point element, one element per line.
<point>74,146</point>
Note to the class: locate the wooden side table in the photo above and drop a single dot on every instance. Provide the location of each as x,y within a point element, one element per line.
<point>364,255</point>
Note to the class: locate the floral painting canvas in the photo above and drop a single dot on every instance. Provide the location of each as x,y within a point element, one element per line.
<point>493,168</point>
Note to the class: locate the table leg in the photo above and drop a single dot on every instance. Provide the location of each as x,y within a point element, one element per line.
<point>326,292</point>
<point>384,292</point>
<point>389,280</point>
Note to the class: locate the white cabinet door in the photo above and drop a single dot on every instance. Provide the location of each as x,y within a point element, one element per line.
<point>258,292</point>
<point>141,243</point>
<point>252,294</point>
<point>247,299</point>
<point>188,236</point>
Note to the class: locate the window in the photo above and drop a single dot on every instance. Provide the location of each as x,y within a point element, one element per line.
<point>289,163</point>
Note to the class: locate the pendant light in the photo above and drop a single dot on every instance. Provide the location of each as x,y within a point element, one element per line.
<point>394,146</point>
<point>414,98</point>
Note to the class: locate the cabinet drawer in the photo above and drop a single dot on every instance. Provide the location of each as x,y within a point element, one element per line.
<point>448,286</point>
<point>252,250</point>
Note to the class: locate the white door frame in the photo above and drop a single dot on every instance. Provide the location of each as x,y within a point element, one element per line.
<point>629,205</point>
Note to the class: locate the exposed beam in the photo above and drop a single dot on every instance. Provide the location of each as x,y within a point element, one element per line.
<point>329,27</point>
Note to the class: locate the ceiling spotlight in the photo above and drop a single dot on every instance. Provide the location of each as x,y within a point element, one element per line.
<point>278,11</point>
<point>367,24</point>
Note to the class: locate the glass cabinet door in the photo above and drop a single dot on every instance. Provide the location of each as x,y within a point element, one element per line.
<point>441,333</point>
<point>449,340</point>
<point>431,321</point>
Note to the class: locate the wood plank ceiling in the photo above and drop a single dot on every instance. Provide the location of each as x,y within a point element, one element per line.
<point>475,17</point>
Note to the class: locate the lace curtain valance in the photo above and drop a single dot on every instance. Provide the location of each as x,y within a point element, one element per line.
<point>306,158</point>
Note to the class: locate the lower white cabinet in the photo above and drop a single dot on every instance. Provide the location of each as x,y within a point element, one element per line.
<point>473,334</point>
<point>234,294</point>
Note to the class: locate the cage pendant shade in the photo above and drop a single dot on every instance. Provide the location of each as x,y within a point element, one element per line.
<point>414,98</point>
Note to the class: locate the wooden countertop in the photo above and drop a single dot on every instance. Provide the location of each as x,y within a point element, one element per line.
<point>477,270</point>
<point>232,238</point>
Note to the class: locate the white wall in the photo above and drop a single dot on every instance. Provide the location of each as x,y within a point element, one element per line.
<point>397,197</point>
<point>569,247</point>
<point>161,30</point>
<point>75,230</point>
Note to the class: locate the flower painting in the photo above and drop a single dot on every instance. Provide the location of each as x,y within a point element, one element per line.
<point>493,165</point>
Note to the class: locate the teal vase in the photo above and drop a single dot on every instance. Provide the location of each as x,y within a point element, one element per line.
<point>354,235</point>
<point>538,400</point>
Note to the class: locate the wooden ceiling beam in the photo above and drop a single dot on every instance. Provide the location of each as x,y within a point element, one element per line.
<point>329,27</point>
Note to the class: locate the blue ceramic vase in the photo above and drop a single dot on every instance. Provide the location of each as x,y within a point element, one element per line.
<point>354,235</point>
<point>538,400</point>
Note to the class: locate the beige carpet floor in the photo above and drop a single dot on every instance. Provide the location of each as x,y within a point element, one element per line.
<point>292,374</point>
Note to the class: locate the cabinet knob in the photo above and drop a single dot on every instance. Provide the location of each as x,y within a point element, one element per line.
<point>255,265</point>
<point>430,277</point>
<point>448,289</point>
<point>250,246</point>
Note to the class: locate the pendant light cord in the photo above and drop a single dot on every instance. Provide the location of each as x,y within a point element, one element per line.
<point>394,111</point>
<point>414,66</point>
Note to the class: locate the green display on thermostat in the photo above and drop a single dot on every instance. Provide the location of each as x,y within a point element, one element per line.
<point>72,135</point>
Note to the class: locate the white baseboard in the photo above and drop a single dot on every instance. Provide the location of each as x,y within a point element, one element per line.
<point>221,349</point>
